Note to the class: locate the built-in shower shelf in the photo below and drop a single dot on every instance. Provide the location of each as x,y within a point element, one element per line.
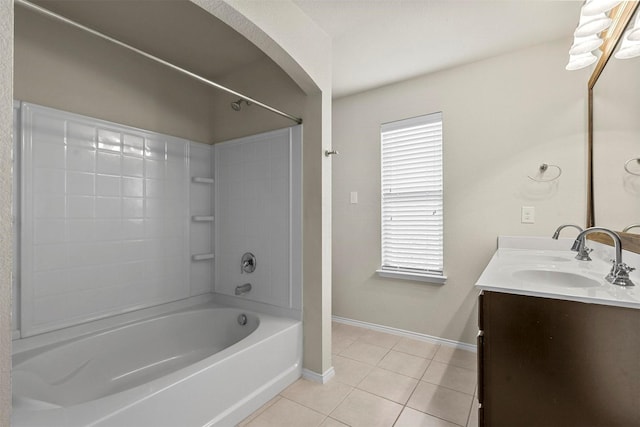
<point>202,180</point>
<point>202,257</point>
<point>202,218</point>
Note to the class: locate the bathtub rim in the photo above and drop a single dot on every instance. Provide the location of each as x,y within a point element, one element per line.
<point>123,400</point>
<point>52,339</point>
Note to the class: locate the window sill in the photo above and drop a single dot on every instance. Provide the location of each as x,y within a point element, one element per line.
<point>430,278</point>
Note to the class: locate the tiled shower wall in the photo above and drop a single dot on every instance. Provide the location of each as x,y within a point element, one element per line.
<point>258,210</point>
<point>106,214</point>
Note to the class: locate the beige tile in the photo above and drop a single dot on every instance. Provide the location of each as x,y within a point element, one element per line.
<point>349,371</point>
<point>412,418</point>
<point>258,411</point>
<point>362,409</point>
<point>339,343</point>
<point>389,385</point>
<point>323,398</point>
<point>330,422</point>
<point>417,348</point>
<point>441,402</point>
<point>381,339</point>
<point>405,364</point>
<point>456,356</point>
<point>363,352</point>
<point>473,416</point>
<point>285,413</point>
<point>451,376</point>
<point>347,331</point>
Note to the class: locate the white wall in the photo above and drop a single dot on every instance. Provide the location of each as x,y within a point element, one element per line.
<point>503,117</point>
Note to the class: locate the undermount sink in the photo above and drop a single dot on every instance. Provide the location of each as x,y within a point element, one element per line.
<point>558,278</point>
<point>539,258</point>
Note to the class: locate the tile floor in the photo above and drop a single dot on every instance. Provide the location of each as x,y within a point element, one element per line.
<point>381,380</point>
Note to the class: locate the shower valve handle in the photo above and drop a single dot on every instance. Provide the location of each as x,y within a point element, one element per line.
<point>248,263</point>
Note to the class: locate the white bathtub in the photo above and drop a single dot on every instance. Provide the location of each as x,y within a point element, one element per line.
<point>192,367</point>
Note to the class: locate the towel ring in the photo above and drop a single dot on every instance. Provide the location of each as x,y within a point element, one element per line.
<point>626,166</point>
<point>543,168</point>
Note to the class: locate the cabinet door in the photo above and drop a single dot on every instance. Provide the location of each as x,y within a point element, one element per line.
<point>550,362</point>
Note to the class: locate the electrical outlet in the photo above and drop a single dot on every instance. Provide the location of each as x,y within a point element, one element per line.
<point>528,215</point>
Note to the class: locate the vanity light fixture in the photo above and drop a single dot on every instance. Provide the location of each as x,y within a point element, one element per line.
<point>630,44</point>
<point>593,20</point>
<point>594,7</point>
<point>634,33</point>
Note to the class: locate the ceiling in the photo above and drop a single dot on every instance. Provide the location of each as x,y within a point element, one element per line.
<point>378,42</point>
<point>375,42</point>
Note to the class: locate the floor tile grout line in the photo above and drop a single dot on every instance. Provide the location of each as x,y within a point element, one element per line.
<point>386,398</point>
<point>338,405</point>
<point>400,373</point>
<point>303,405</point>
<point>470,410</point>
<point>330,412</point>
<point>472,394</point>
<point>435,416</point>
<point>406,405</point>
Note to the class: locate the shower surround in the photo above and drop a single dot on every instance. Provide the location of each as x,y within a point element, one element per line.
<point>116,221</point>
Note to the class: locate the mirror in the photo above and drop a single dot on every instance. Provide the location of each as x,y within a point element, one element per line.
<point>614,139</point>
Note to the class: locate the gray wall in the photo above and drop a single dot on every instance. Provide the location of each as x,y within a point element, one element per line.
<point>6,243</point>
<point>503,117</point>
<point>61,67</point>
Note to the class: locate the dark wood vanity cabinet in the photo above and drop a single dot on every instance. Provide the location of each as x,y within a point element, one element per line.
<point>550,362</point>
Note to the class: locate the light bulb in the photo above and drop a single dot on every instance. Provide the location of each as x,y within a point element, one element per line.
<point>585,44</point>
<point>594,7</point>
<point>634,33</point>
<point>628,48</point>
<point>592,24</point>
<point>577,62</point>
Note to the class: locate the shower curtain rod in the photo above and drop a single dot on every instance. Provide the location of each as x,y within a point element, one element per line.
<point>195,76</point>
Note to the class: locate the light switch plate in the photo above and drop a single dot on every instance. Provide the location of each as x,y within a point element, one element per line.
<point>354,197</point>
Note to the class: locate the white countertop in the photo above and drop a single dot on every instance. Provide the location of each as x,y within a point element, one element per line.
<point>530,266</point>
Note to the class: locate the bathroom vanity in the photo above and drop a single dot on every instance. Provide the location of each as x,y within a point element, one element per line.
<point>558,345</point>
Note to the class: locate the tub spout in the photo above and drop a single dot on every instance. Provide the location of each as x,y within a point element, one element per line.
<point>243,289</point>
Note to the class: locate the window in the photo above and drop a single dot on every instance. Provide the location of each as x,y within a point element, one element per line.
<point>412,217</point>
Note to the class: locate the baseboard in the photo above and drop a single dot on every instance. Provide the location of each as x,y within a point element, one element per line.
<point>318,378</point>
<point>407,334</point>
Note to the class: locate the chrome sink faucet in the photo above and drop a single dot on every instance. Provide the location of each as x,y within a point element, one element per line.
<point>619,274</point>
<point>627,228</point>
<point>583,251</point>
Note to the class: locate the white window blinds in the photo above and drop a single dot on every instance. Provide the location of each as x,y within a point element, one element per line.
<point>412,218</point>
